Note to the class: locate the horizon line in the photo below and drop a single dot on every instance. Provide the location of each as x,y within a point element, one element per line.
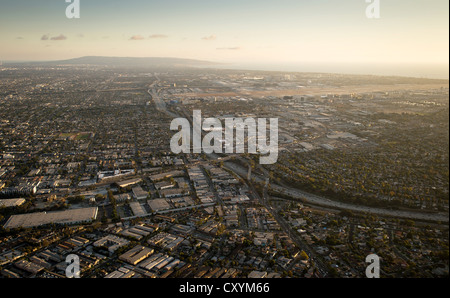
<point>258,66</point>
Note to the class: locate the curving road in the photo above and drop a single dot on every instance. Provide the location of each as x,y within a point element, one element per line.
<point>306,197</point>
<point>321,201</point>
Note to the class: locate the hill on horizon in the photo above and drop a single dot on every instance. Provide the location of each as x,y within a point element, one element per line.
<point>126,62</point>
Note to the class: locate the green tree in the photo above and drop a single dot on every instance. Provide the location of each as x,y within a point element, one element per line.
<point>304,255</point>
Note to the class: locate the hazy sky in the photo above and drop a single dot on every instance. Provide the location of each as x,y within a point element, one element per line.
<point>244,31</point>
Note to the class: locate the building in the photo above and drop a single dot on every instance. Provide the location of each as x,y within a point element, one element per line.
<point>112,243</point>
<point>12,202</point>
<point>136,254</point>
<point>114,174</point>
<point>158,205</point>
<point>122,197</point>
<point>166,241</point>
<point>121,273</point>
<point>138,209</point>
<point>137,232</point>
<point>29,266</point>
<point>126,183</point>
<point>257,274</point>
<point>68,217</point>
<point>19,191</point>
<point>9,274</point>
<point>174,193</point>
<point>164,185</point>
<point>49,255</point>
<point>139,193</point>
<point>159,177</point>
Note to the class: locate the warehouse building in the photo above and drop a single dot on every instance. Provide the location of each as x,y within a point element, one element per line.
<point>11,202</point>
<point>158,205</point>
<point>136,254</point>
<point>68,217</point>
<point>111,242</point>
<point>130,182</point>
<point>138,209</point>
<point>139,193</point>
<point>29,267</point>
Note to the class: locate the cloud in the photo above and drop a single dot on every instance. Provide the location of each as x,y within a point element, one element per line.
<point>136,37</point>
<point>19,37</point>
<point>59,37</point>
<point>158,36</point>
<point>44,37</point>
<point>230,49</point>
<point>81,35</point>
<point>212,37</point>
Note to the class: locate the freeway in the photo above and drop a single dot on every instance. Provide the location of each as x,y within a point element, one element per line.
<point>306,197</point>
<point>160,104</point>
<point>312,199</point>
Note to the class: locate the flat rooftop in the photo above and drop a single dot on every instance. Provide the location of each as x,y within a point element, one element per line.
<point>138,209</point>
<point>11,202</point>
<point>158,204</point>
<point>59,217</point>
<point>129,182</point>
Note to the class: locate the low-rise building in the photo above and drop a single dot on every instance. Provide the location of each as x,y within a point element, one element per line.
<point>136,254</point>
<point>68,217</point>
<point>12,202</point>
<point>111,243</point>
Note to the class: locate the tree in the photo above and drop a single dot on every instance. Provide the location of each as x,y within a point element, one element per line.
<point>304,255</point>
<point>104,216</point>
<point>409,223</point>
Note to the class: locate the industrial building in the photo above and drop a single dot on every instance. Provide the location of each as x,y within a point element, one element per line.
<point>126,183</point>
<point>136,254</point>
<point>159,177</point>
<point>158,205</point>
<point>112,243</point>
<point>11,202</point>
<point>139,193</point>
<point>121,273</point>
<point>138,209</point>
<point>173,193</point>
<point>29,266</point>
<point>138,232</point>
<point>68,217</point>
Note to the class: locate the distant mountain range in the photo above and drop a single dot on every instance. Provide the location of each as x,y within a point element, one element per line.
<point>127,62</point>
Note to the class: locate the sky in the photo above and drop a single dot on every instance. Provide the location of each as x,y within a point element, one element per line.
<point>246,32</point>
